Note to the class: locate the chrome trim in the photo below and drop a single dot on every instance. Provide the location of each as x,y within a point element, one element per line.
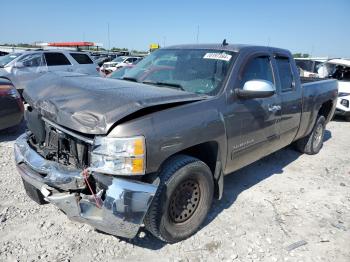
<point>82,138</point>
<point>120,213</point>
<point>47,172</point>
<point>124,207</point>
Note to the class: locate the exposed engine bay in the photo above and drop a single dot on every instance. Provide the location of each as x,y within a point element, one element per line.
<point>52,143</point>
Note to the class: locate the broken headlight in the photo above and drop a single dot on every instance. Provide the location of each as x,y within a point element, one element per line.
<point>119,156</point>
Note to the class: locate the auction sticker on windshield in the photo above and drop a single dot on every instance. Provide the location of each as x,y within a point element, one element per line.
<point>218,56</point>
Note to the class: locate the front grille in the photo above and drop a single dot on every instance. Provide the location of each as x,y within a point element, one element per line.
<point>65,149</point>
<point>58,144</point>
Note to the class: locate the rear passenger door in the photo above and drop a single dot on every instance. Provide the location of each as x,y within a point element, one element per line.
<point>290,94</point>
<point>84,64</point>
<point>57,61</point>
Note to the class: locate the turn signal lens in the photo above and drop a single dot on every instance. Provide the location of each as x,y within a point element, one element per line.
<point>137,165</point>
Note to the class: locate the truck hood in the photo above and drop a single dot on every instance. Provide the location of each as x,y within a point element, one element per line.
<point>92,105</point>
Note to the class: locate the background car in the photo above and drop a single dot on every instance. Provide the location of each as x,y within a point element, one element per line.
<point>119,62</point>
<point>21,68</point>
<point>11,105</point>
<point>6,59</point>
<point>335,68</point>
<point>103,59</point>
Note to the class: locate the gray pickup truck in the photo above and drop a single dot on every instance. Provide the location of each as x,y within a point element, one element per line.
<point>154,147</point>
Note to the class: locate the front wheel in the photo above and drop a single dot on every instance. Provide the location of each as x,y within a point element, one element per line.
<point>182,201</point>
<point>312,143</point>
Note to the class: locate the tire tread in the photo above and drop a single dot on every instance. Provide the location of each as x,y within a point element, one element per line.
<point>153,216</point>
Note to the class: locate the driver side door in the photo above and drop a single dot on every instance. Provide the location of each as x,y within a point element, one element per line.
<point>253,124</point>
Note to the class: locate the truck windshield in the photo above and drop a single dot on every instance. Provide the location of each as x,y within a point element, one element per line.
<point>193,70</point>
<point>4,60</point>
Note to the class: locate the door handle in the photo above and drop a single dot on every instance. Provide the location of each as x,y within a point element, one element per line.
<point>70,69</point>
<point>274,108</point>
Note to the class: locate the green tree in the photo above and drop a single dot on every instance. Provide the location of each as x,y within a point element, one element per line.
<point>301,55</point>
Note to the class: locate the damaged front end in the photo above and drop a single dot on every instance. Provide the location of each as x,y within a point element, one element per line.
<point>109,203</point>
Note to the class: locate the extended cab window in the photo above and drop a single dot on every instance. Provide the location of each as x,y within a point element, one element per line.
<point>285,73</point>
<point>56,59</point>
<point>258,68</point>
<point>82,59</point>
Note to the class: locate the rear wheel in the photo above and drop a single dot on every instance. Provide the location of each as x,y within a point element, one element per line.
<point>182,201</point>
<point>312,143</point>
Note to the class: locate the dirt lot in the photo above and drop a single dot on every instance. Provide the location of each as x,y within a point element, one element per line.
<point>286,207</point>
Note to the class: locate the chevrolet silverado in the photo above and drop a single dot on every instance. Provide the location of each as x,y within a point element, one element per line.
<point>153,148</point>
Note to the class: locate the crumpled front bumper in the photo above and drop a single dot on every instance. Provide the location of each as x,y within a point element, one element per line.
<point>123,207</point>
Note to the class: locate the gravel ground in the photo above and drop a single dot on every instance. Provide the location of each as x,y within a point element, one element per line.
<point>285,207</point>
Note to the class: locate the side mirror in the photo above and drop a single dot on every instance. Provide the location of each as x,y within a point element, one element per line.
<point>18,65</point>
<point>256,89</point>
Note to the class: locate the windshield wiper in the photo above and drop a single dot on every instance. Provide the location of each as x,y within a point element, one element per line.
<point>178,86</point>
<point>133,79</point>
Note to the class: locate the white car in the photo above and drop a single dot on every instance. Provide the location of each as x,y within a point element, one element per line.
<point>331,68</point>
<point>340,69</point>
<point>21,68</point>
<point>119,62</point>
<point>343,99</point>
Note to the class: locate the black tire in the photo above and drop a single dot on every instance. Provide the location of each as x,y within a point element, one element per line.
<point>312,143</point>
<point>183,179</point>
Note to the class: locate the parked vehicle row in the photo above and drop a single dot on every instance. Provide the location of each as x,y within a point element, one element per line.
<point>21,68</point>
<point>153,148</point>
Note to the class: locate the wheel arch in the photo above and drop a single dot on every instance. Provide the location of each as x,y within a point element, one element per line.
<point>326,110</point>
<point>209,153</point>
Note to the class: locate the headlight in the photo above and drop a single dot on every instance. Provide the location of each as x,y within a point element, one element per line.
<point>119,156</point>
<point>343,94</point>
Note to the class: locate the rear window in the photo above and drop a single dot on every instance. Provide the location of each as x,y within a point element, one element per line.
<point>82,59</point>
<point>56,59</point>
<point>285,73</point>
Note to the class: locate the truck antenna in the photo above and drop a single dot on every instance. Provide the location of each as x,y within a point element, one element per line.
<point>224,43</point>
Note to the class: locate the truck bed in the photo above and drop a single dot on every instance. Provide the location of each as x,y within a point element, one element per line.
<point>315,92</point>
<point>305,80</point>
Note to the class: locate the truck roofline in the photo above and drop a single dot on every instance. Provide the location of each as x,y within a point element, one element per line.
<point>229,47</point>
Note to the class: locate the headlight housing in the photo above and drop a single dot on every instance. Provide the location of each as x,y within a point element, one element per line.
<point>119,156</point>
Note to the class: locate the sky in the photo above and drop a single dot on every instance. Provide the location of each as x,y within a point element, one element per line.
<point>319,28</point>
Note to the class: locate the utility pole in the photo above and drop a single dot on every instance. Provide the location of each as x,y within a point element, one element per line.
<point>109,40</point>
